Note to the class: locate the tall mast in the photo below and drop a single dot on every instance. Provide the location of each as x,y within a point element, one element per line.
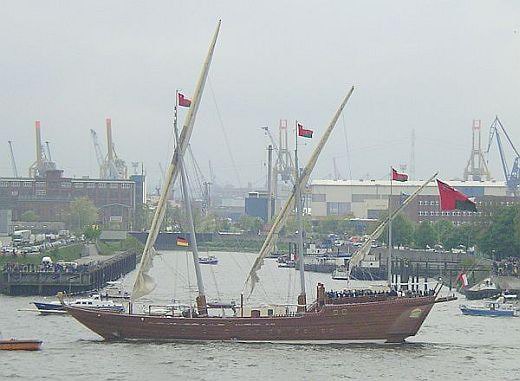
<point>201,298</point>
<point>144,283</point>
<point>389,262</point>
<point>302,299</point>
<point>281,217</point>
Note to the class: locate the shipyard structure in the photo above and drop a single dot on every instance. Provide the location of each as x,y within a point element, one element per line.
<point>48,194</point>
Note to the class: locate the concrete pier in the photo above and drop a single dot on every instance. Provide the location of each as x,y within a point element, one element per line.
<point>93,276</point>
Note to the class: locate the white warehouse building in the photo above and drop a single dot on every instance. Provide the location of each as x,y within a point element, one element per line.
<point>367,198</point>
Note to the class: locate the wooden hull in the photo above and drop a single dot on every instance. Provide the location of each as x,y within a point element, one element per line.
<point>20,345</point>
<point>391,320</point>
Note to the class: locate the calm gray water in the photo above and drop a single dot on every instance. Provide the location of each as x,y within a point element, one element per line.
<point>449,346</point>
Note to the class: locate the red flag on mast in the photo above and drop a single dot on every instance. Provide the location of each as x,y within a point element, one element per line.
<point>304,133</point>
<point>183,102</point>
<point>453,199</point>
<point>396,176</point>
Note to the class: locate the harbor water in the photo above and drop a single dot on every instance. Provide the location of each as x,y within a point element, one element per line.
<point>448,346</point>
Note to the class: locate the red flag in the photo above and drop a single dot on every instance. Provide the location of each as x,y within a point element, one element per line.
<point>453,199</point>
<point>462,278</point>
<point>396,176</point>
<point>183,102</point>
<point>304,132</point>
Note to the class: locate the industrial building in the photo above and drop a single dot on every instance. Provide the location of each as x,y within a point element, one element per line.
<point>368,198</point>
<point>50,196</point>
<point>257,204</point>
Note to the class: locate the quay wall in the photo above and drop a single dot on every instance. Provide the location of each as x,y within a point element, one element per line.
<point>94,276</point>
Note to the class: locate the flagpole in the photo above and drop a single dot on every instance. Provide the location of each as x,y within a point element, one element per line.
<point>389,262</point>
<point>302,299</point>
<point>201,298</point>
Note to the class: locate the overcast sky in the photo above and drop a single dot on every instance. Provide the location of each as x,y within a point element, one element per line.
<point>432,66</point>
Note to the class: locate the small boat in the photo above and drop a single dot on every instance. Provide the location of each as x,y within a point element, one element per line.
<point>95,302</point>
<point>482,290</point>
<point>211,260</point>
<point>495,308</point>
<point>20,345</point>
<point>114,290</point>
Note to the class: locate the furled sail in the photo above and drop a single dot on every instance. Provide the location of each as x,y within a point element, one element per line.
<point>364,249</point>
<point>280,219</point>
<point>144,283</point>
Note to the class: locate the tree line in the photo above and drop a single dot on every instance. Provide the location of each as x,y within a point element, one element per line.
<point>496,234</point>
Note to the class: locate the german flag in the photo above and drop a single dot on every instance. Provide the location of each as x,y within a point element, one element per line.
<point>181,241</point>
<point>453,199</point>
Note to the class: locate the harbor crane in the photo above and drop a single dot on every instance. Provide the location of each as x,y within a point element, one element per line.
<point>498,132</point>
<point>99,154</point>
<point>110,166</point>
<point>13,162</point>
<point>284,163</point>
<point>43,162</point>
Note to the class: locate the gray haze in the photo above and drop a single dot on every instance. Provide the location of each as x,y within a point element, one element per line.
<point>429,65</point>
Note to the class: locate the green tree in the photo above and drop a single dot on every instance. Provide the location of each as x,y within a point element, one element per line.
<point>92,232</point>
<point>82,213</point>
<point>402,230</point>
<point>250,224</point>
<point>29,216</point>
<point>465,235</point>
<point>291,227</point>
<point>444,229</point>
<point>499,235</point>
<point>425,235</point>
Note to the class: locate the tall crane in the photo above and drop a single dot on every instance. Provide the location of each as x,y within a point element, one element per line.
<point>43,163</point>
<point>99,154</point>
<point>110,166</point>
<point>47,144</point>
<point>13,162</point>
<point>512,177</point>
<point>283,164</point>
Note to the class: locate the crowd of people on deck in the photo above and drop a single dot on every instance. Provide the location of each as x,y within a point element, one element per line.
<point>508,267</point>
<point>371,293</point>
<point>45,267</point>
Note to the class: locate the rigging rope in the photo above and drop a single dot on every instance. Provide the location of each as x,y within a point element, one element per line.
<point>224,133</point>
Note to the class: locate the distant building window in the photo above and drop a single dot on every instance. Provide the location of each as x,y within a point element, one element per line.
<point>113,186</point>
<point>432,202</point>
<point>432,213</point>
<point>14,192</point>
<point>40,184</point>
<point>66,185</point>
<point>4,184</point>
<point>128,186</point>
<point>101,185</point>
<point>27,184</point>
<point>41,192</point>
<point>420,202</point>
<point>15,184</point>
<point>363,197</point>
<point>436,202</point>
<point>78,185</point>
<point>91,185</point>
<point>338,208</point>
<point>318,197</point>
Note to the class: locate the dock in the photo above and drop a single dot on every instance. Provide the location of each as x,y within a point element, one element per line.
<point>92,275</point>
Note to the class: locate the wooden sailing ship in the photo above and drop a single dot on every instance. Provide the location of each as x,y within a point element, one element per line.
<point>361,316</point>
